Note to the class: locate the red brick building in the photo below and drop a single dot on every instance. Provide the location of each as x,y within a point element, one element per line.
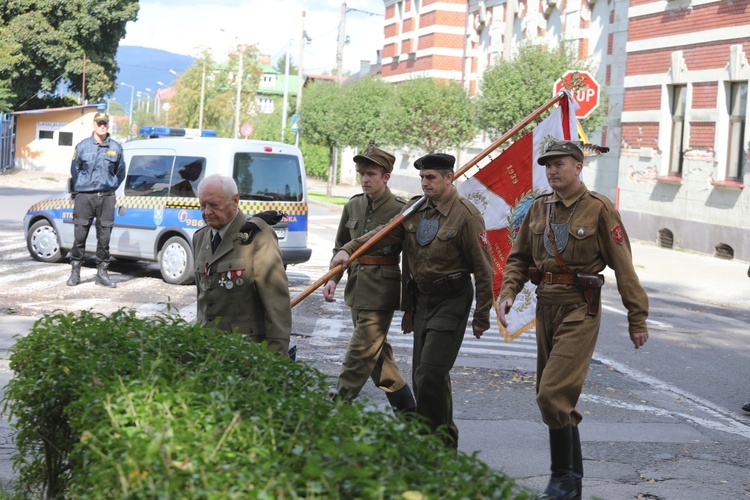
<point>684,156</point>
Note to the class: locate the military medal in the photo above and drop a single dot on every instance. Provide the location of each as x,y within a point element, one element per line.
<point>238,280</point>
<point>228,284</point>
<point>222,281</point>
<point>205,283</point>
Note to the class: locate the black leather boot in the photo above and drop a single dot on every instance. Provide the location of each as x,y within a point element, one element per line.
<point>75,273</point>
<point>561,484</point>
<point>577,462</point>
<point>402,400</point>
<point>102,278</point>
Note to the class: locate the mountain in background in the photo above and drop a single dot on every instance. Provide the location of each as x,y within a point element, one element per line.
<point>142,67</point>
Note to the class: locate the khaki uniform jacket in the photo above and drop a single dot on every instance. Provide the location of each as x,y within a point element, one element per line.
<point>258,303</point>
<point>457,247</point>
<point>370,287</point>
<point>596,239</point>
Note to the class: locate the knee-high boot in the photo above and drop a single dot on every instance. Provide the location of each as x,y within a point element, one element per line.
<point>561,484</point>
<point>402,400</point>
<point>577,463</point>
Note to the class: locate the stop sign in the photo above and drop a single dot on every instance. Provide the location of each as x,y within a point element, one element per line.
<point>587,96</point>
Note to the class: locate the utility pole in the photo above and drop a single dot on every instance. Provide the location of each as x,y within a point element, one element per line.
<point>302,40</point>
<point>334,167</point>
<point>286,90</point>
<point>203,94</point>
<point>342,40</point>
<point>239,97</point>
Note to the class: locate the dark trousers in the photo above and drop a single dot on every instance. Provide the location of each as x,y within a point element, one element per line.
<point>87,207</point>
<point>439,328</point>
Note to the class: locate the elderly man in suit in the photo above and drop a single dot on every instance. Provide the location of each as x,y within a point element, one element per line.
<point>241,281</point>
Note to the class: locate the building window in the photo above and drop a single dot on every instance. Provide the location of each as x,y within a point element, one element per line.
<point>679,98</point>
<point>65,139</point>
<point>737,117</point>
<point>46,134</point>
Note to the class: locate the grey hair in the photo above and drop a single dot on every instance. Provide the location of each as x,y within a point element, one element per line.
<point>228,185</point>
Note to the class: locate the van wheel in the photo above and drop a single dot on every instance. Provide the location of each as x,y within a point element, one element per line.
<point>176,261</point>
<point>43,243</point>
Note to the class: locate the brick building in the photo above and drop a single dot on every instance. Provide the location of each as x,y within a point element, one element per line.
<point>684,156</point>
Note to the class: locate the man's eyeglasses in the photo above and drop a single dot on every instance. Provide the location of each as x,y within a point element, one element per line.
<point>102,124</point>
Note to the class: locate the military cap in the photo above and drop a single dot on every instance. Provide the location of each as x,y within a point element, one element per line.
<point>435,161</point>
<point>101,117</point>
<point>375,155</point>
<point>559,147</point>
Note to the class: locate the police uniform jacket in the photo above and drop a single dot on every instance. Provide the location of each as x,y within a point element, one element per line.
<point>97,166</point>
<point>596,238</point>
<point>458,247</point>
<point>257,303</point>
<point>371,287</point>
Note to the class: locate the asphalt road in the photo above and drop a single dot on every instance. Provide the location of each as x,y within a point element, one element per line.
<point>659,422</point>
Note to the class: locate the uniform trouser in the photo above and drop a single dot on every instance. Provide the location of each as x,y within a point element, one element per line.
<point>566,337</point>
<point>439,329</point>
<point>87,207</point>
<point>369,355</point>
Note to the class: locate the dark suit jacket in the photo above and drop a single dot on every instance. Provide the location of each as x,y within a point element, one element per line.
<point>257,302</point>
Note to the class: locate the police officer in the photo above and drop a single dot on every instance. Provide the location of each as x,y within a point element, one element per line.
<point>241,280</point>
<point>98,168</point>
<point>373,286</point>
<point>444,242</point>
<point>565,240</point>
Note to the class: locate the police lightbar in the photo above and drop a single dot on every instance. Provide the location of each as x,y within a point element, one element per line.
<point>154,132</point>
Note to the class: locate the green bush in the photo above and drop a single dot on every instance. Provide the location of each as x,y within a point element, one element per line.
<point>118,406</point>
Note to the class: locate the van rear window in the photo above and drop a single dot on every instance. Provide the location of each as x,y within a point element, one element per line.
<point>264,176</point>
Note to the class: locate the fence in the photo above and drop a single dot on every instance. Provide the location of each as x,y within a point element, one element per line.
<point>7,141</point>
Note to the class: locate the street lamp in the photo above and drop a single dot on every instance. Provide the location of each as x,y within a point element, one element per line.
<point>157,99</point>
<point>132,92</point>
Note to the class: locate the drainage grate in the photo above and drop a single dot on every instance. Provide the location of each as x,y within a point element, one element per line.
<point>666,238</point>
<point>724,251</point>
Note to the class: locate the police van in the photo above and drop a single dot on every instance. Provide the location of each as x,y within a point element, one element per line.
<point>157,208</point>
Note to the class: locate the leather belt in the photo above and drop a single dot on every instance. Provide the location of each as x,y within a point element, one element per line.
<point>98,193</point>
<point>446,284</point>
<point>378,260</point>
<point>550,278</point>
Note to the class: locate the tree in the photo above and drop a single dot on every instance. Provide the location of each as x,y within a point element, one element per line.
<point>281,65</point>
<point>323,121</point>
<point>219,103</point>
<point>434,116</point>
<point>59,41</point>
<point>369,113</point>
<point>510,90</point>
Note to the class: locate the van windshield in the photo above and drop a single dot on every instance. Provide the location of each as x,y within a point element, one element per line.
<point>268,176</point>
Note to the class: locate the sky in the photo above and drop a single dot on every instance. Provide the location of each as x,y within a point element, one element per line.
<point>185,26</point>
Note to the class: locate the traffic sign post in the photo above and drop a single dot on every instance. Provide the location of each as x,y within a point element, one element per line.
<point>295,123</point>
<point>587,95</point>
<point>246,129</point>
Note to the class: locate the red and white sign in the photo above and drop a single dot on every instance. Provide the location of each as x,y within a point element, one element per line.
<point>246,129</point>
<point>587,96</point>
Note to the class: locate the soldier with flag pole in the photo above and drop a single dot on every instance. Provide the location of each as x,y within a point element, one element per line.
<point>564,241</point>
<point>444,244</point>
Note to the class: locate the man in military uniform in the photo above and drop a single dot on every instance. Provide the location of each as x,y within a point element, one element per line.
<point>240,277</point>
<point>97,170</point>
<point>373,286</point>
<point>444,242</point>
<point>565,240</point>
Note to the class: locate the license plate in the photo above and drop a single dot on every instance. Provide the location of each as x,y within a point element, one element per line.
<point>280,232</point>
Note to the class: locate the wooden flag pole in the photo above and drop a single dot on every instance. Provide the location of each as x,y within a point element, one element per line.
<point>398,219</point>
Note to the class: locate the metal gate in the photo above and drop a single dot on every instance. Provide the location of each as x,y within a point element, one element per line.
<point>7,141</point>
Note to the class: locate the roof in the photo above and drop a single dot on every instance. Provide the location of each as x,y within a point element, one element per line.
<point>52,110</point>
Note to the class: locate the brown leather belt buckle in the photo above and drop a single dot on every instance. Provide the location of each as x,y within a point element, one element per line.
<point>547,278</point>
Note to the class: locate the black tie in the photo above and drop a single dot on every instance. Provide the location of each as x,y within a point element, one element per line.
<point>216,241</point>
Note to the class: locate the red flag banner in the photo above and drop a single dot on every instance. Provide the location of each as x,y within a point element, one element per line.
<point>503,190</point>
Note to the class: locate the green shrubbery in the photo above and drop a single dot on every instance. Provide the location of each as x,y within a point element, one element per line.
<point>117,406</point>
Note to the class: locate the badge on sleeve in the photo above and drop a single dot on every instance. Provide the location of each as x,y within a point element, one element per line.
<point>617,234</point>
<point>484,241</point>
